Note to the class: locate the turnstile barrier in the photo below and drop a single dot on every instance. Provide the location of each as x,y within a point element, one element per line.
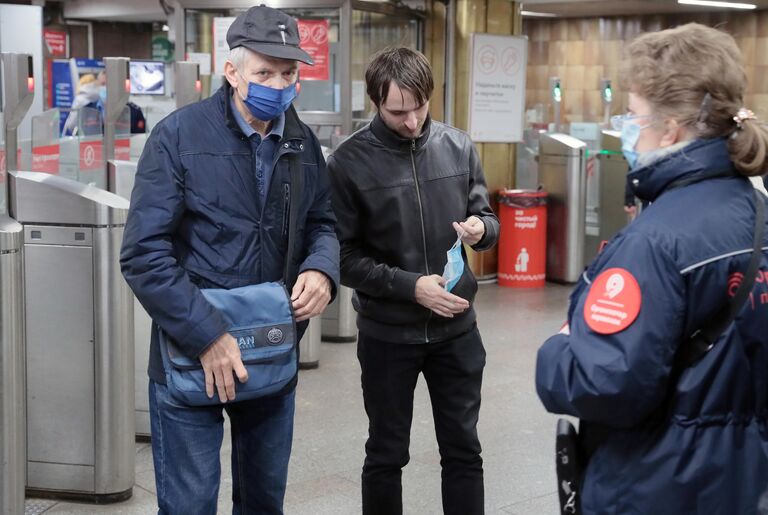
<point>79,314</point>
<point>562,173</point>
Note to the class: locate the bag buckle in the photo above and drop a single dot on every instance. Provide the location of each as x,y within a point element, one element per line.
<point>570,504</point>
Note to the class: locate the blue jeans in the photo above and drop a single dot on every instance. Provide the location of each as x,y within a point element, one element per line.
<point>186,443</point>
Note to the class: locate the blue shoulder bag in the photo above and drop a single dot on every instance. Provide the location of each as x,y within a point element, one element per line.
<point>261,320</point>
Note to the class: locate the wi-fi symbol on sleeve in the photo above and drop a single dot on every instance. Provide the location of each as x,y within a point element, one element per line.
<point>734,281</point>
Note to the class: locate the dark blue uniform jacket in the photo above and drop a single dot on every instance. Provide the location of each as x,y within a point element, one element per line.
<point>708,453</point>
<point>196,220</point>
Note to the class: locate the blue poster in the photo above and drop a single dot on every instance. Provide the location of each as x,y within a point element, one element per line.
<point>61,88</point>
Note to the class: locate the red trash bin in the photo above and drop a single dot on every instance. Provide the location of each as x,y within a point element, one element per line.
<point>523,239</point>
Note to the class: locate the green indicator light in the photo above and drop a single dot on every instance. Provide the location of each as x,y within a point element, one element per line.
<point>557,94</point>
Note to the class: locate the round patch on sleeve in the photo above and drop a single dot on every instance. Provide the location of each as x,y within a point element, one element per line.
<point>613,302</point>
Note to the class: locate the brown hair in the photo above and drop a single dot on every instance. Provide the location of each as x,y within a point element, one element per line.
<point>408,68</point>
<point>694,74</point>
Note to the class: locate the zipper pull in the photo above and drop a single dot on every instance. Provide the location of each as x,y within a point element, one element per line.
<point>413,145</point>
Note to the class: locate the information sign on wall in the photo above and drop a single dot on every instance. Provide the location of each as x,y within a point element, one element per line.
<point>55,42</point>
<point>313,35</point>
<point>497,88</point>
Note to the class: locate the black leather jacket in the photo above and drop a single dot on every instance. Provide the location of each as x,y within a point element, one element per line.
<point>395,200</point>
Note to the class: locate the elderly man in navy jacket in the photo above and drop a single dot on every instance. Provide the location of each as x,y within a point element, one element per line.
<point>210,209</point>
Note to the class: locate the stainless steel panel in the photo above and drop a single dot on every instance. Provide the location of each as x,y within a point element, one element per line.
<point>611,217</point>
<point>309,347</point>
<point>38,197</point>
<point>114,362</point>
<point>52,235</point>
<point>555,144</point>
<point>13,446</point>
<point>142,326</point>
<point>55,476</point>
<point>339,320</point>
<point>562,172</point>
<point>10,234</point>
<point>122,176</point>
<point>60,355</point>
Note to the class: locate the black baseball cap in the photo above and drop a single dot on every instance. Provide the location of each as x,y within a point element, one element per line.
<point>269,32</point>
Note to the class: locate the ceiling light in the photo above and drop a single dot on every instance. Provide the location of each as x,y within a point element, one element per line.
<point>538,15</point>
<point>710,3</point>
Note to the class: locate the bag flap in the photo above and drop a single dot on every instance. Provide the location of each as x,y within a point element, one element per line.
<point>260,318</point>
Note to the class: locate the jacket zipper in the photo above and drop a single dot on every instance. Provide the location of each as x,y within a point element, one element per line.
<point>286,204</point>
<point>423,231</point>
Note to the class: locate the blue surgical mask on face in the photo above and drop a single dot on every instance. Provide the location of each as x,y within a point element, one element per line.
<point>103,94</point>
<point>630,133</point>
<point>267,103</point>
<point>454,268</point>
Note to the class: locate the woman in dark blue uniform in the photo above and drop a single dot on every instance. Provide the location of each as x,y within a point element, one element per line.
<point>665,438</point>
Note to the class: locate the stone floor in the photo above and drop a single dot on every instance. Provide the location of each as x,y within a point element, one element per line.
<point>331,427</point>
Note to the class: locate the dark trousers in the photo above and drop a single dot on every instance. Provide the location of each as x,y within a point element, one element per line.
<point>453,371</point>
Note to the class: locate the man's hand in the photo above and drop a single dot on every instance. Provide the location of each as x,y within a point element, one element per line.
<point>471,230</point>
<point>631,212</point>
<point>430,293</point>
<point>310,295</point>
<point>220,360</point>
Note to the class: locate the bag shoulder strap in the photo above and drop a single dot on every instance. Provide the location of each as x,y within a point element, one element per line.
<point>702,340</point>
<point>297,189</point>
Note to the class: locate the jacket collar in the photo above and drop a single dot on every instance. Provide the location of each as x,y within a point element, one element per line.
<point>393,140</point>
<point>698,161</point>
<point>291,131</point>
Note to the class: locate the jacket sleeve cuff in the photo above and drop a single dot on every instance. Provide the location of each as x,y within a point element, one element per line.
<point>404,284</point>
<point>202,335</point>
<point>490,236</point>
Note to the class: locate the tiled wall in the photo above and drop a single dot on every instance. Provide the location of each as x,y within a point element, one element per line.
<point>582,51</point>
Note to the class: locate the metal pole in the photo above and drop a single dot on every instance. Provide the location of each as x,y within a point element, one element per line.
<point>118,89</point>
<point>450,50</point>
<point>18,92</point>
<point>345,38</point>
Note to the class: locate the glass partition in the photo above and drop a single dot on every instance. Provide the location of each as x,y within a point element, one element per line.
<point>45,142</point>
<point>371,32</point>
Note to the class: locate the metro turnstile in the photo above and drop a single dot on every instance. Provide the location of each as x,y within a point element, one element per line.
<point>79,314</point>
<point>12,407</point>
<point>562,173</point>
<point>339,319</point>
<point>613,170</point>
<point>121,177</point>
<point>17,89</point>
<point>309,346</point>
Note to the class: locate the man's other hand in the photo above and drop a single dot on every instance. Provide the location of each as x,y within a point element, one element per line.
<point>220,361</point>
<point>471,230</point>
<point>430,293</point>
<point>310,295</point>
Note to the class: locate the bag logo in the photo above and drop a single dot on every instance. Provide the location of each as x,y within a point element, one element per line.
<point>275,336</point>
<point>246,342</point>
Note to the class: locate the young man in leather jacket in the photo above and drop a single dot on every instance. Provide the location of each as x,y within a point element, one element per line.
<point>404,188</point>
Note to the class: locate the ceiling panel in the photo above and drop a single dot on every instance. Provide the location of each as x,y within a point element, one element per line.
<point>590,8</point>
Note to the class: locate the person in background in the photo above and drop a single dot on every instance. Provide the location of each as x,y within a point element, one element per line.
<point>87,96</point>
<point>405,190</point>
<point>666,434</point>
<point>138,122</point>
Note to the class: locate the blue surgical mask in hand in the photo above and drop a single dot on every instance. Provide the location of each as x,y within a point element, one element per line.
<point>454,268</point>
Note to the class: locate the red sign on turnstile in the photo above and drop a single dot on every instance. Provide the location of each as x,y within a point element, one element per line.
<point>313,35</point>
<point>123,149</point>
<point>91,155</point>
<point>46,159</point>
